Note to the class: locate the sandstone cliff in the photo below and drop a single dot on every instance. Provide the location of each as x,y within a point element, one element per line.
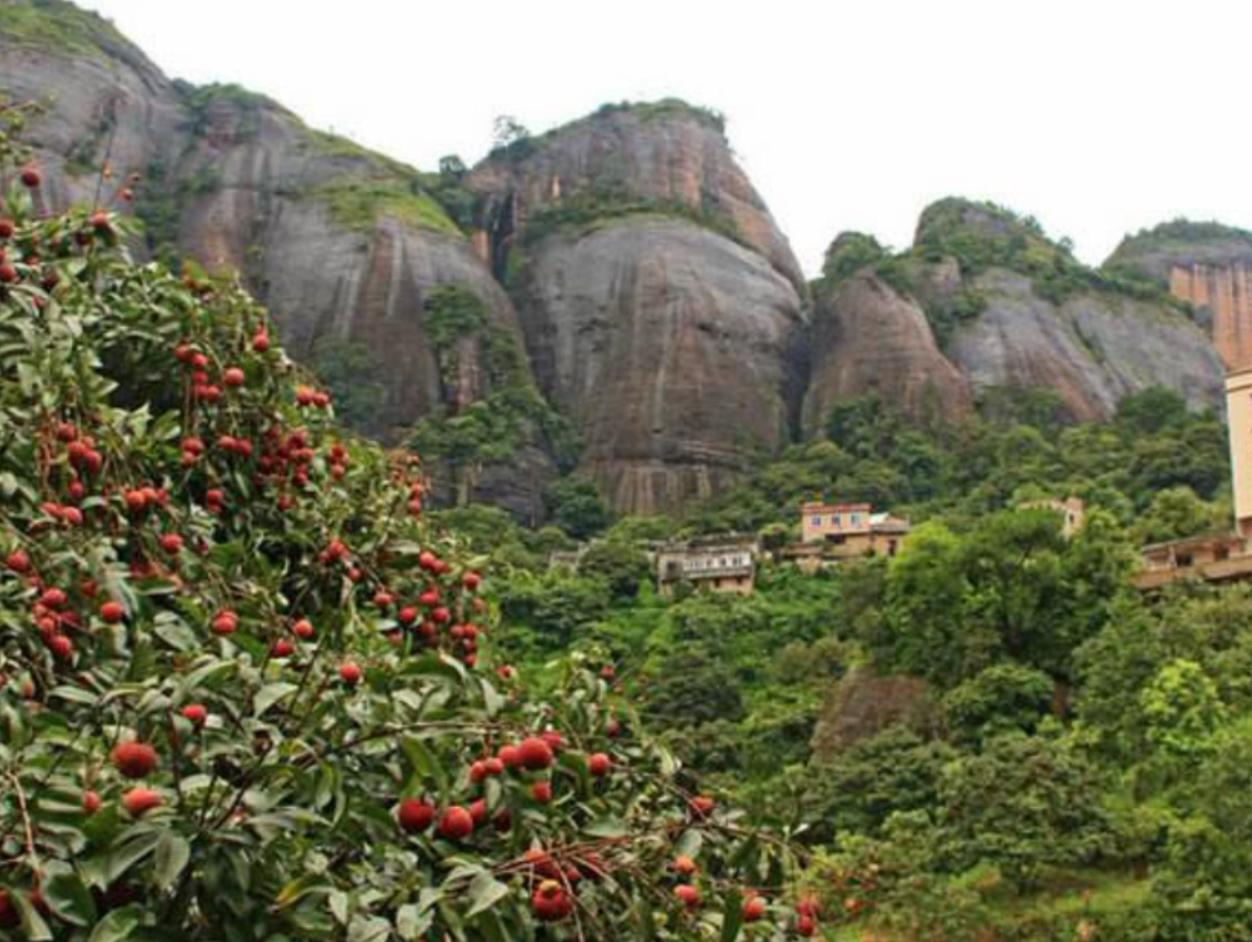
<point>1207,265</point>
<point>870,339</point>
<point>661,305</point>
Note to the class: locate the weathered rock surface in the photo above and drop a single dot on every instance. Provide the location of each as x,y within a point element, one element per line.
<point>665,152</point>
<point>867,338</point>
<point>661,305</point>
<point>1092,349</point>
<point>667,344</point>
<point>863,704</point>
<point>1206,264</point>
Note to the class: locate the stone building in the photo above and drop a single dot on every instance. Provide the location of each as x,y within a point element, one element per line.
<point>722,563</point>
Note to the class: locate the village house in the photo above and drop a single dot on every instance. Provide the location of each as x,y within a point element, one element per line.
<point>725,562</point>
<point>1214,557</point>
<point>830,533</point>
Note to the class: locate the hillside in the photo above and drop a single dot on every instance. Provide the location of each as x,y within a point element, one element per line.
<point>609,299</point>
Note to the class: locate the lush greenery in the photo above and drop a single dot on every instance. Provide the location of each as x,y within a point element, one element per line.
<point>59,25</point>
<point>489,409</point>
<point>241,695</point>
<point>1057,778</point>
<point>359,203</point>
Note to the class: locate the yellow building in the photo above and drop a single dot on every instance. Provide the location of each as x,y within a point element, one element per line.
<point>1215,557</point>
<point>830,533</point>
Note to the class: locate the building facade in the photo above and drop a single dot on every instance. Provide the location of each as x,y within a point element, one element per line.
<point>722,563</point>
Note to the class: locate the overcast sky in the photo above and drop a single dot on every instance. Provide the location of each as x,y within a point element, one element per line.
<point>1098,117</point>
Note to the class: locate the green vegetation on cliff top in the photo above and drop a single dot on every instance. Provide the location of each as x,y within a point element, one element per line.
<point>59,25</point>
<point>358,203</point>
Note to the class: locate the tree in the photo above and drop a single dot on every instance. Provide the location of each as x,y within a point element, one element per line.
<point>1003,698</point>
<point>574,504</point>
<point>1022,803</point>
<point>240,688</point>
<point>507,130</point>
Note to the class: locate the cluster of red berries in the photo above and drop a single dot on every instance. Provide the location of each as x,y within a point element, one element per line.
<point>308,396</point>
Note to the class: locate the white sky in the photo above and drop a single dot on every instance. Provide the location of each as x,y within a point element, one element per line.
<point>1097,116</point>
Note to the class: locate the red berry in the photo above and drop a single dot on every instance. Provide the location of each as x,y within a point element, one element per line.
<point>303,629</point>
<point>415,815</point>
<point>806,926</point>
<point>91,802</point>
<point>702,806</point>
<point>18,562</point>
<point>100,221</point>
<point>599,764</point>
<point>283,648</point>
<point>541,792</point>
<point>688,895</point>
<point>684,866</point>
<point>471,581</point>
<point>753,908</point>
<point>137,801</point>
<point>553,739</point>
<point>478,812</point>
<point>53,598</point>
<point>350,673</point>
<point>456,824</point>
<point>8,274</point>
<point>550,903</point>
<point>61,647</point>
<point>30,177</point>
<point>407,615</point>
<point>112,612</point>
<point>134,759</point>
<point>233,377</point>
<point>534,753</point>
<point>196,713</point>
<point>6,227</point>
<point>260,341</point>
<point>171,543</point>
<point>225,623</point>
<point>511,756</point>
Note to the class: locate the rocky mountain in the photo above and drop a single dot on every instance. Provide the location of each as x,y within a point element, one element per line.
<point>1208,265</point>
<point>661,305</point>
<point>1003,306</point>
<point>611,296</point>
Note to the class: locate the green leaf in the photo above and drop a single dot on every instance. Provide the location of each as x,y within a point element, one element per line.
<point>688,843</point>
<point>270,694</point>
<point>67,896</point>
<point>73,694</point>
<point>484,892</point>
<point>607,827</point>
<point>124,856</point>
<point>368,929</point>
<point>732,915</point>
<point>172,855</point>
<point>411,922</point>
<point>33,926</point>
<point>117,925</point>
<point>339,906</point>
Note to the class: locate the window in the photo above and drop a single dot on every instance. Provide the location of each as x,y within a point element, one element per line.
<point>856,518</point>
<point>836,520</point>
<point>816,520</point>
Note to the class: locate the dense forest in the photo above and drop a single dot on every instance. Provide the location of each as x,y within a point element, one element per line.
<point>991,735</point>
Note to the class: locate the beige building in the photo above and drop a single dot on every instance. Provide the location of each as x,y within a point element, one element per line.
<point>1215,557</point>
<point>721,563</point>
<point>830,533</point>
<point>1072,511</point>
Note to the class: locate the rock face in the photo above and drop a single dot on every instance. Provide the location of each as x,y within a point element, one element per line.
<point>1092,349</point>
<point>869,339</point>
<point>667,345</point>
<point>863,704</point>
<point>666,154</point>
<point>1031,316</point>
<point>661,305</point>
<point>1207,265</point>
